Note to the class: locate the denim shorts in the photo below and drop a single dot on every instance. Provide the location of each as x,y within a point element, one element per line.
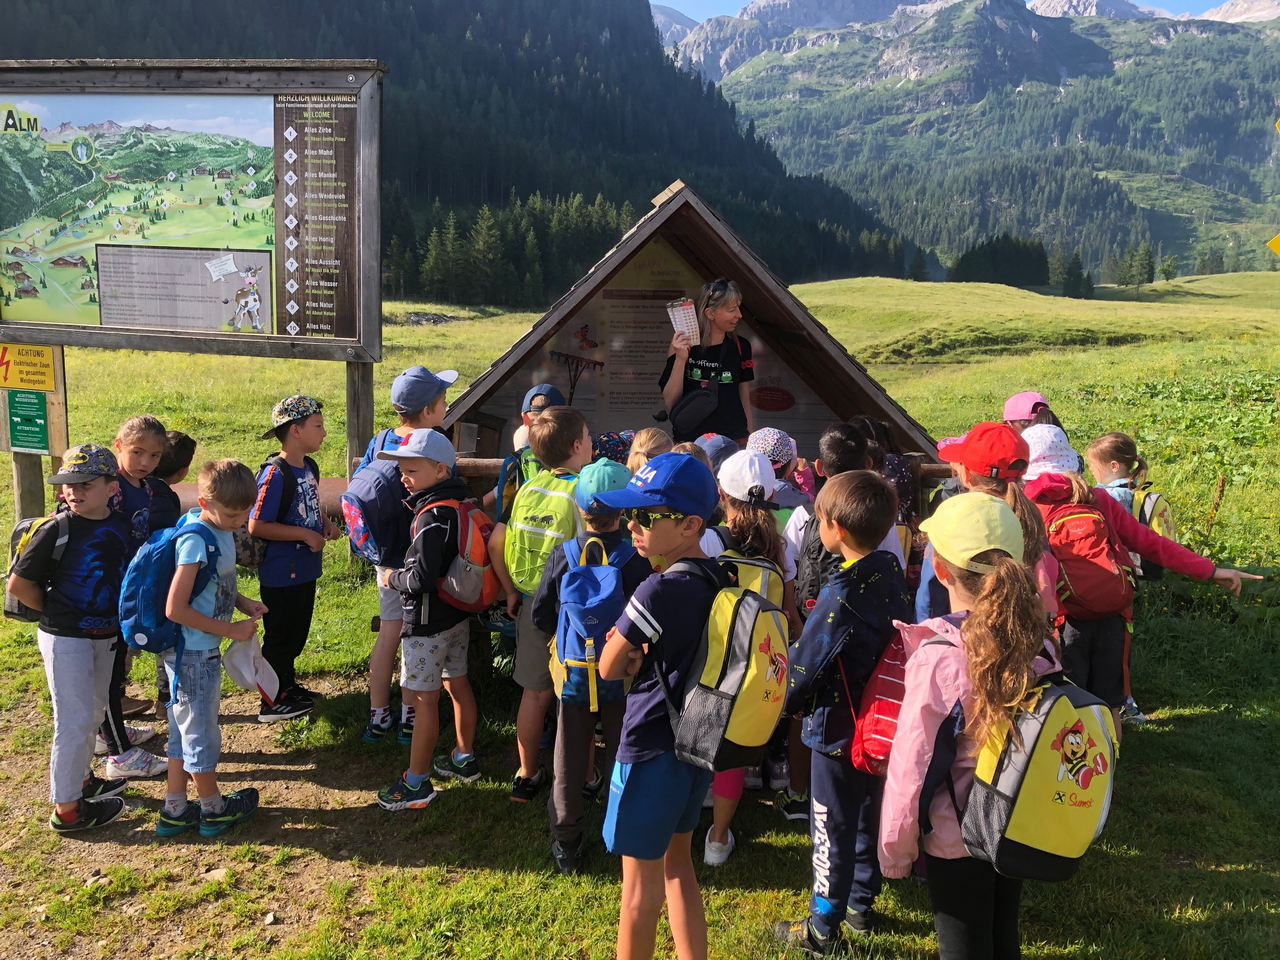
<point>194,737</point>
<point>650,802</point>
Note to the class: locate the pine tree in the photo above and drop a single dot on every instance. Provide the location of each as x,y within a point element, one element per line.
<point>451,262</point>
<point>1168,267</point>
<point>1086,286</point>
<point>1073,278</point>
<point>1144,267</point>
<point>1058,264</point>
<point>919,270</point>
<point>484,261</point>
<point>431,275</point>
<point>533,295</point>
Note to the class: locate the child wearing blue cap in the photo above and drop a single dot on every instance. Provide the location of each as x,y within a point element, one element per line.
<point>571,783</point>
<point>418,398</point>
<point>655,799</point>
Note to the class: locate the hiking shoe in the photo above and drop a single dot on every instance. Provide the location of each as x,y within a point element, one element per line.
<point>95,788</point>
<point>136,736</point>
<point>401,796</point>
<point>859,924</point>
<point>778,773</point>
<point>172,824</point>
<point>753,780</point>
<point>236,806</point>
<point>524,789</point>
<point>715,854</point>
<point>135,763</point>
<point>793,806</point>
<point>286,708</point>
<point>1130,713</point>
<point>591,789</point>
<point>132,706</point>
<point>376,734</point>
<point>568,857</point>
<point>404,736</point>
<point>468,771</point>
<point>800,933</point>
<point>92,813</point>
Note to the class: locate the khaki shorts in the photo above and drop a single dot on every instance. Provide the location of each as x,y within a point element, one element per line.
<point>426,662</point>
<point>533,652</point>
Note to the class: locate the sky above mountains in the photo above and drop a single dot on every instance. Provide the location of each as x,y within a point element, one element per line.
<point>702,9</point>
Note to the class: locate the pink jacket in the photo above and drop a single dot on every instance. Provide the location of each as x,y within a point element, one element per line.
<point>937,676</point>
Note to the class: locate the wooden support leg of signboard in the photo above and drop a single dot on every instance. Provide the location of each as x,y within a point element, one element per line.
<point>359,411</point>
<point>28,485</point>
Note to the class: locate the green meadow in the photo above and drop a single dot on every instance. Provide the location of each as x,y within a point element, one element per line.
<point>1189,865</point>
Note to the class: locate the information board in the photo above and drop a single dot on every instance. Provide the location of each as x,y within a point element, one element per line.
<point>208,206</point>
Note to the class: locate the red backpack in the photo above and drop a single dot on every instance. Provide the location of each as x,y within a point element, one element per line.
<point>876,720</point>
<point>470,583</point>
<point>1095,579</point>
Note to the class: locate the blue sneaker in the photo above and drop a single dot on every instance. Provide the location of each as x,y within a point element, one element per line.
<point>376,734</point>
<point>401,796</point>
<point>172,824</point>
<point>404,736</point>
<point>237,806</point>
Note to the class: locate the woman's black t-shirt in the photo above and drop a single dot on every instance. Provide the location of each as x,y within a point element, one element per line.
<point>728,364</point>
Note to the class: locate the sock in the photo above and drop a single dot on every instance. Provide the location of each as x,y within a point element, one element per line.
<point>406,713</point>
<point>380,716</point>
<point>414,780</point>
<point>212,804</point>
<point>175,803</point>
<point>462,757</point>
<point>71,816</point>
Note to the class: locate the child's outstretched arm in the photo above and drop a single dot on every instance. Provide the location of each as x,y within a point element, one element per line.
<point>178,609</point>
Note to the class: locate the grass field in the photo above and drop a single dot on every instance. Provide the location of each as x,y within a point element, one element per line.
<point>1189,866</point>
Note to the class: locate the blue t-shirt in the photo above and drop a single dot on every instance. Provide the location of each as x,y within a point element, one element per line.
<point>1121,491</point>
<point>218,599</point>
<point>391,441</point>
<point>668,611</point>
<point>134,504</point>
<point>289,562</point>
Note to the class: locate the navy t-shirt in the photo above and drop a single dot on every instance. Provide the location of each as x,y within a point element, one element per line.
<point>669,612</point>
<point>289,562</point>
<point>134,504</point>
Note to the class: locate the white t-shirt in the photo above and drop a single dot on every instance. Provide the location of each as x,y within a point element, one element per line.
<point>793,537</point>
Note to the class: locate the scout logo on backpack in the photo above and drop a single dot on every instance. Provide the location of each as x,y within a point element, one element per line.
<point>373,510</point>
<point>591,600</point>
<point>1152,510</point>
<point>470,583</point>
<point>543,517</point>
<point>14,608</point>
<point>144,594</point>
<point>1095,579</point>
<point>737,682</point>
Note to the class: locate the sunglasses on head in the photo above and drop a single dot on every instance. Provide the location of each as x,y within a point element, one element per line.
<point>647,518</point>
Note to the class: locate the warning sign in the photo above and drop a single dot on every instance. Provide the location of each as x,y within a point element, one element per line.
<point>25,366</point>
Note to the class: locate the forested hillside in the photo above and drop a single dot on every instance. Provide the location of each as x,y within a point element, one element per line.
<point>983,117</point>
<point>490,98</point>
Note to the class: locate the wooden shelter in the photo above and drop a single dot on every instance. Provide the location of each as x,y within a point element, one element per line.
<point>605,342</point>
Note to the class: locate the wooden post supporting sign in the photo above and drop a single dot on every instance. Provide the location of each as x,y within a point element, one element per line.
<point>33,418</point>
<point>359,411</point>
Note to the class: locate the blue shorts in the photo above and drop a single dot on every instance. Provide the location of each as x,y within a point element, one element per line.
<point>194,736</point>
<point>650,802</point>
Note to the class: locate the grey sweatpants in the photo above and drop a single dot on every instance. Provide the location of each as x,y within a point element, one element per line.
<point>79,674</point>
<point>576,727</point>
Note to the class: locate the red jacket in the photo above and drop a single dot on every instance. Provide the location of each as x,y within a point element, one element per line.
<point>1133,536</point>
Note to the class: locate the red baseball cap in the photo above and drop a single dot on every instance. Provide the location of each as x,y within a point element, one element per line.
<point>991,450</point>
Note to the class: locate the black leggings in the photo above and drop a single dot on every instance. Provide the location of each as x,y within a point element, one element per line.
<point>975,910</point>
<point>113,729</point>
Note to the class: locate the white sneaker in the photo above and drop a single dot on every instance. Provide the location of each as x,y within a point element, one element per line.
<point>715,854</point>
<point>136,763</point>
<point>779,775</point>
<point>753,779</point>
<point>709,800</point>
<point>137,735</point>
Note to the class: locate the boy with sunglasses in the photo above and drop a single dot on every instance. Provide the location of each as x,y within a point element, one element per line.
<point>655,799</point>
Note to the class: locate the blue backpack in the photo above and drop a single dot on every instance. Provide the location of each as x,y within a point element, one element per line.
<point>144,595</point>
<point>591,601</point>
<point>374,511</point>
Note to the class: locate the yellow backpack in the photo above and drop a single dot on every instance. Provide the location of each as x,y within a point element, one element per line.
<point>1151,509</point>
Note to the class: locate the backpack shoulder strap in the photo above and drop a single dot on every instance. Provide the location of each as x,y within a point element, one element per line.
<point>213,553</point>
<point>312,466</point>
<point>697,570</point>
<point>62,520</point>
<point>289,481</point>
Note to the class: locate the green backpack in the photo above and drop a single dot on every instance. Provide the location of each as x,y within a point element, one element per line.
<point>544,515</point>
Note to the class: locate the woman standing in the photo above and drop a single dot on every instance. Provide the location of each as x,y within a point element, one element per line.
<point>722,362</point>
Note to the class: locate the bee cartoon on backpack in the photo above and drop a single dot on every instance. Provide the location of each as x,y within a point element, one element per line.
<point>1074,744</point>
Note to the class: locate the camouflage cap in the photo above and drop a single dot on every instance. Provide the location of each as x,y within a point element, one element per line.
<point>290,409</point>
<point>84,463</point>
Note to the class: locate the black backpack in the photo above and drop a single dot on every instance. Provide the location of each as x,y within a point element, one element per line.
<point>814,567</point>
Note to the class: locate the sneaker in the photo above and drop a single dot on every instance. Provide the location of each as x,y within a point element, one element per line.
<point>524,789</point>
<point>299,692</point>
<point>753,779</point>
<point>1130,713</point>
<point>859,924</point>
<point>709,801</point>
<point>800,933</point>
<point>136,763</point>
<point>132,706</point>
<point>568,857</point>
<point>449,768</point>
<point>136,736</point>
<point>172,824</point>
<point>592,788</point>
<point>236,806</point>
<point>401,796</point>
<point>286,708</point>
<point>95,788</point>
<point>93,813</point>
<point>376,734</point>
<point>404,736</point>
<point>778,773</point>
<point>793,806</point>
<point>715,854</point>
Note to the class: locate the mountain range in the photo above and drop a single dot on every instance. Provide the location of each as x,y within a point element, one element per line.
<point>1095,123</point>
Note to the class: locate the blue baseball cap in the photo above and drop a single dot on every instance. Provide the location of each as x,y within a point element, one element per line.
<point>677,481</point>
<point>717,447</point>
<point>603,476</point>
<point>417,388</point>
<point>554,397</point>
<point>431,444</point>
